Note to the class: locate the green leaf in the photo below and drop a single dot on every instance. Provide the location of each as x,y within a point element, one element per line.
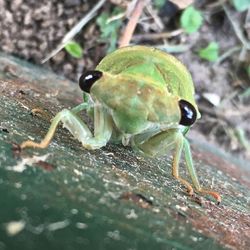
<point>191,19</point>
<point>245,94</point>
<point>210,53</point>
<point>248,70</point>
<point>241,5</point>
<point>159,3</point>
<point>109,29</point>
<point>74,49</point>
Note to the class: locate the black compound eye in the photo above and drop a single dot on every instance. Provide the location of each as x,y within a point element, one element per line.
<point>188,113</point>
<point>88,79</point>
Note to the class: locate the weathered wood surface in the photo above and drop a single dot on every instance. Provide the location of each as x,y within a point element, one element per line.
<point>66,197</point>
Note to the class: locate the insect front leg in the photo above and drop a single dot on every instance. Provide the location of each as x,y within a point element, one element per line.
<point>192,172</point>
<point>175,165</point>
<point>71,121</point>
<point>172,139</point>
<point>160,143</point>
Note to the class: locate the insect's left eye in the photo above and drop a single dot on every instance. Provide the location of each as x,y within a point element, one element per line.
<point>188,113</point>
<point>88,79</point>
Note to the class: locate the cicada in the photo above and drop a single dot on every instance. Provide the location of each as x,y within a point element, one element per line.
<point>142,97</point>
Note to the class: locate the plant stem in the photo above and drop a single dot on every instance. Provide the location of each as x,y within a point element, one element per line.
<point>75,30</point>
<point>129,30</point>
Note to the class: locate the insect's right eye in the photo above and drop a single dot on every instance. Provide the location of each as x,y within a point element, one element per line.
<point>88,79</point>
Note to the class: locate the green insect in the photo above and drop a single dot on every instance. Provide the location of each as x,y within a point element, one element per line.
<point>141,97</point>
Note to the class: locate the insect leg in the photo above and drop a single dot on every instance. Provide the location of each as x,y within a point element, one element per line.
<point>102,128</point>
<point>192,172</point>
<point>78,129</point>
<point>55,121</point>
<point>162,142</point>
<point>175,165</point>
<point>80,107</point>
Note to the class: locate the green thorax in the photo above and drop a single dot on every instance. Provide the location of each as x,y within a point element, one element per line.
<point>142,86</point>
<point>152,65</point>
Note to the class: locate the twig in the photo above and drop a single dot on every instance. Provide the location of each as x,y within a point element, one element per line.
<point>228,53</point>
<point>178,48</point>
<point>216,4</point>
<point>156,36</point>
<point>242,138</point>
<point>129,30</point>
<point>75,29</point>
<point>216,114</point>
<point>247,19</point>
<point>237,28</point>
<point>155,17</point>
<point>225,116</point>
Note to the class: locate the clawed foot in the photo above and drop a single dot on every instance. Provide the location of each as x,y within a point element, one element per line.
<point>214,194</point>
<point>32,144</point>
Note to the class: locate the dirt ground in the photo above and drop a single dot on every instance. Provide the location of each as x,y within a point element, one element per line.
<point>32,29</point>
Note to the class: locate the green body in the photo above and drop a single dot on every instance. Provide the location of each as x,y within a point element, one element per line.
<point>136,102</point>
<point>142,86</point>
